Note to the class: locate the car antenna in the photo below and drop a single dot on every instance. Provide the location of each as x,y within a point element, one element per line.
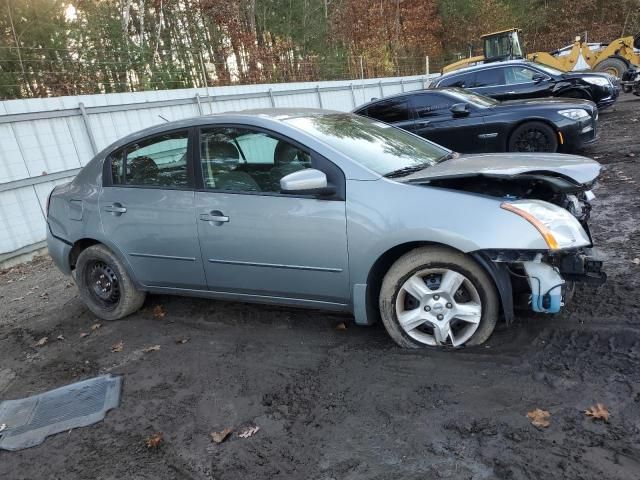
<point>163,118</point>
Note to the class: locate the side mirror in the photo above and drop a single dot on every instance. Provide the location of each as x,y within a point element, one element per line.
<point>538,77</point>
<point>306,182</point>
<point>460,109</point>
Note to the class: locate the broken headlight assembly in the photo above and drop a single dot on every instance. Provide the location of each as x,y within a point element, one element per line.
<point>558,227</point>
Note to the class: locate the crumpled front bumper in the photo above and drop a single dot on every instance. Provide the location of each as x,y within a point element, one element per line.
<point>541,277</point>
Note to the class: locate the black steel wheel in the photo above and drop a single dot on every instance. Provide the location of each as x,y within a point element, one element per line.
<point>105,285</point>
<point>533,137</point>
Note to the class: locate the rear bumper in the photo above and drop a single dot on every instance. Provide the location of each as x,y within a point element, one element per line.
<point>59,251</point>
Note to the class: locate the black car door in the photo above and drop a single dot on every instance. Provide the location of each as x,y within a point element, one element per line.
<point>491,82</point>
<point>393,110</point>
<point>434,120</point>
<point>525,82</point>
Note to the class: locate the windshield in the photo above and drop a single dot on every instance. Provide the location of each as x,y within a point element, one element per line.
<point>376,145</point>
<point>471,97</point>
<point>548,69</point>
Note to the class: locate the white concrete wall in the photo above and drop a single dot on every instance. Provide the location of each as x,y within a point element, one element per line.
<point>37,154</point>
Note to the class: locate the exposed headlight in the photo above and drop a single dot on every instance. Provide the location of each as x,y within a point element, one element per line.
<point>601,81</point>
<point>574,113</point>
<point>558,227</point>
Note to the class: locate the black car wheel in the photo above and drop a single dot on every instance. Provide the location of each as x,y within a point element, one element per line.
<point>533,137</point>
<point>104,284</point>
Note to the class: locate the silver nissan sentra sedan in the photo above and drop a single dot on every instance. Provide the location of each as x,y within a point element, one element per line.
<point>327,210</point>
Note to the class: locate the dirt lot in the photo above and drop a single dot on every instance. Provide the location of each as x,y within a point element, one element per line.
<point>344,404</point>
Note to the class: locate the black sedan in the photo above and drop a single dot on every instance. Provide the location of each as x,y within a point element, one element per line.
<point>518,79</point>
<point>470,123</point>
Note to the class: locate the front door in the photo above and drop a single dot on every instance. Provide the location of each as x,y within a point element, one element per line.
<point>147,211</point>
<point>434,121</point>
<point>256,241</point>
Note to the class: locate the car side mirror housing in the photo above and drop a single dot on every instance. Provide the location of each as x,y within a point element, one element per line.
<point>538,77</point>
<point>306,182</point>
<point>460,109</point>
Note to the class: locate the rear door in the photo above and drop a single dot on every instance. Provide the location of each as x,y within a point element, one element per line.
<point>393,110</point>
<point>147,210</point>
<point>434,121</point>
<point>491,82</point>
<point>257,241</point>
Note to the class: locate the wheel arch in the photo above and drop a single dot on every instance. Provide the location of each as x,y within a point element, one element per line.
<point>380,267</point>
<point>546,121</point>
<point>82,244</point>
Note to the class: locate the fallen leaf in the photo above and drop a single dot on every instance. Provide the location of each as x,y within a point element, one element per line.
<point>248,432</point>
<point>598,412</point>
<point>341,326</point>
<point>3,427</point>
<point>44,296</point>
<point>636,261</point>
<point>17,299</point>
<point>117,347</point>
<point>159,311</point>
<point>539,418</point>
<point>84,334</point>
<point>220,437</point>
<point>42,341</point>
<point>154,440</point>
<point>182,340</point>
<point>152,348</point>
<point>60,337</point>
<point>96,326</point>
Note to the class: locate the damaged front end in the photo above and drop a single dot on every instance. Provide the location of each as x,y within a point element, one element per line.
<point>558,205</point>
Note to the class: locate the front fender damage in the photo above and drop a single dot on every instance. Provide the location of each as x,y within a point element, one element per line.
<point>541,281</point>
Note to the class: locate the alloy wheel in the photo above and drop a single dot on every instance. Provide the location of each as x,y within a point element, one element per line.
<point>533,140</point>
<point>439,307</point>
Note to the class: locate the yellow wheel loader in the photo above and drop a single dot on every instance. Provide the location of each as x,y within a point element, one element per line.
<point>497,46</point>
<point>615,57</point>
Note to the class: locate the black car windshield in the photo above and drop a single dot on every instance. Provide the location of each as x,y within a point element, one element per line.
<point>470,97</point>
<point>376,145</point>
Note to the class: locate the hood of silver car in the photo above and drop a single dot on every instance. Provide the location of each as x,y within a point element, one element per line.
<point>580,170</point>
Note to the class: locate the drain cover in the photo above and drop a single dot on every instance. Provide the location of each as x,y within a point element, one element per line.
<point>30,420</point>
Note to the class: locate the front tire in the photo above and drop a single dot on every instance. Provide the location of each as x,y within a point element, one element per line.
<point>614,66</point>
<point>105,286</point>
<point>533,137</point>
<point>437,297</point>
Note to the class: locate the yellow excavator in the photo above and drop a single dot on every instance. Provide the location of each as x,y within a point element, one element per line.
<point>615,57</point>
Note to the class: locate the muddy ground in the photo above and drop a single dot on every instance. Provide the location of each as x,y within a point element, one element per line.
<point>344,404</point>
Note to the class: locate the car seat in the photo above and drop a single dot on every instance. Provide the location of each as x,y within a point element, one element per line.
<point>219,168</point>
<point>287,159</point>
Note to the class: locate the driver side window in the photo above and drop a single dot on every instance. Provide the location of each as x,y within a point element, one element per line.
<point>515,75</point>
<point>239,159</point>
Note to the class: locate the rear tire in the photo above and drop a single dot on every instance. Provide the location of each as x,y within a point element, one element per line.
<point>457,297</point>
<point>614,66</point>
<point>105,285</point>
<point>533,137</point>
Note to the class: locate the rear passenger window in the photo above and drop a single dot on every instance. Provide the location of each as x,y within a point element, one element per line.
<point>390,111</point>
<point>462,81</point>
<point>490,77</point>
<point>158,162</point>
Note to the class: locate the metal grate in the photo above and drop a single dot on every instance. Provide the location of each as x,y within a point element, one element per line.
<point>30,420</point>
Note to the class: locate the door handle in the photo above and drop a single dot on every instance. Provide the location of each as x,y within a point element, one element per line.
<point>423,123</point>
<point>215,217</point>
<point>511,93</point>
<point>115,208</point>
